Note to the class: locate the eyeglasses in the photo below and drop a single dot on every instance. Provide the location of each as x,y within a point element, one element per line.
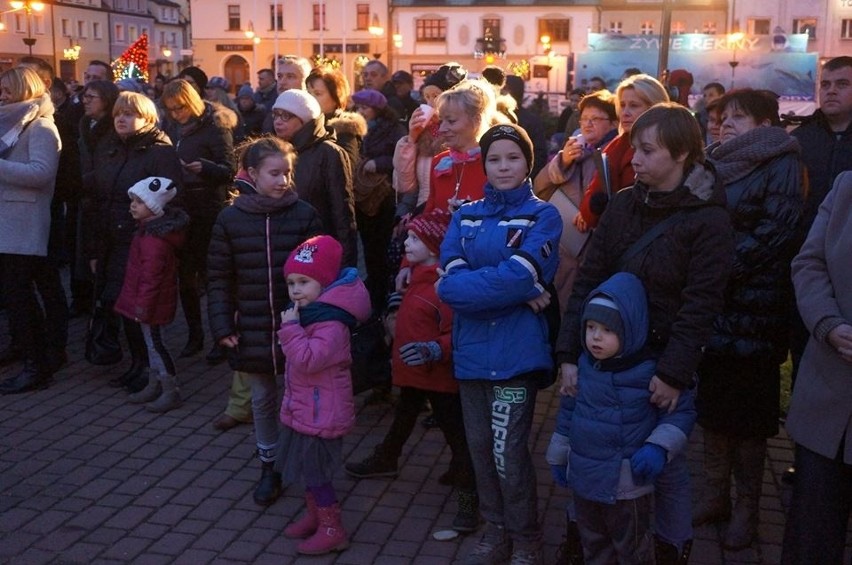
<point>282,115</point>
<point>176,109</point>
<point>593,121</point>
<point>90,97</point>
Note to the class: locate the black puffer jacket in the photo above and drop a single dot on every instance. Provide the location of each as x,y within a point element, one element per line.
<point>684,270</point>
<point>207,139</point>
<point>766,208</point>
<point>323,178</point>
<point>825,154</point>
<point>117,165</point>
<point>246,290</point>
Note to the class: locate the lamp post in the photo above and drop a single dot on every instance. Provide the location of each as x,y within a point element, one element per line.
<point>255,40</point>
<point>734,40</point>
<point>29,7</point>
<point>376,30</point>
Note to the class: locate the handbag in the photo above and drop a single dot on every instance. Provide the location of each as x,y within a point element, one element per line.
<point>371,356</point>
<point>370,189</point>
<point>102,345</point>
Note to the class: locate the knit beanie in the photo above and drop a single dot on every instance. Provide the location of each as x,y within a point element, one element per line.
<point>219,82</point>
<point>319,258</point>
<point>508,131</point>
<point>155,192</point>
<point>199,76</point>
<point>299,103</point>
<point>447,76</point>
<point>431,228</point>
<point>371,98</point>
<point>245,90</point>
<point>604,311</point>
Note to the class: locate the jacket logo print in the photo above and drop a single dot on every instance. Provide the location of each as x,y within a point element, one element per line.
<point>306,254</point>
<point>547,249</point>
<point>514,237</point>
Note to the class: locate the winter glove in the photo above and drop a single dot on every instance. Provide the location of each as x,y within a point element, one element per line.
<point>647,463</point>
<point>557,455</point>
<point>420,352</point>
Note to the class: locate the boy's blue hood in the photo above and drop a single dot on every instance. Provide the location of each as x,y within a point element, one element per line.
<point>628,293</point>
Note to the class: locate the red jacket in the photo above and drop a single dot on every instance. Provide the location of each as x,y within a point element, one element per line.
<point>150,290</point>
<point>423,317</point>
<point>619,153</point>
<point>469,175</point>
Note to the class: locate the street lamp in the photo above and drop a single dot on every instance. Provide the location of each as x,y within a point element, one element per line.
<point>376,30</point>
<point>29,6</point>
<point>734,40</point>
<point>255,41</point>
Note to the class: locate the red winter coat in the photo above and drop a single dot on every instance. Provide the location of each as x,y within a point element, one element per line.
<point>423,317</point>
<point>150,290</point>
<point>469,175</point>
<point>619,153</point>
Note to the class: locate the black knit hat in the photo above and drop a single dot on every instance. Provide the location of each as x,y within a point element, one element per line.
<point>199,76</point>
<point>447,76</point>
<point>508,131</point>
<point>603,310</point>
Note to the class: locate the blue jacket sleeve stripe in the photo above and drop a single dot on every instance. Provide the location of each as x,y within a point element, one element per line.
<point>525,260</point>
<point>454,263</point>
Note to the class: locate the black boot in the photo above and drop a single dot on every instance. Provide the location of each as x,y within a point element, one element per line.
<point>136,377</point>
<point>31,377</point>
<point>191,305</point>
<point>194,343</point>
<point>216,355</point>
<point>269,486</point>
<point>571,550</point>
<point>137,367</point>
<point>667,553</point>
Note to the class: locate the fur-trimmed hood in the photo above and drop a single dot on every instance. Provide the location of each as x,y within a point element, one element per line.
<point>223,116</point>
<point>347,123</point>
<point>173,220</point>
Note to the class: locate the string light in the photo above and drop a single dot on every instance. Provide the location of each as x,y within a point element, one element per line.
<point>133,63</point>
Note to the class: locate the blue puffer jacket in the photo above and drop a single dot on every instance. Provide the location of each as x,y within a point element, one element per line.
<point>612,416</point>
<point>499,253</point>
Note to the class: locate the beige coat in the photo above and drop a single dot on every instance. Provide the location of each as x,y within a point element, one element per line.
<point>821,409</point>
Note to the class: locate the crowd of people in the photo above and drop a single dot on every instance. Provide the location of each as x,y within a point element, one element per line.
<point>650,266</point>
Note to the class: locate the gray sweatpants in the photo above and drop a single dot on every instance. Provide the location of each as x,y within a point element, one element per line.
<point>497,419</point>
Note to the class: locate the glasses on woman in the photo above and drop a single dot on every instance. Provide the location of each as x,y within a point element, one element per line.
<point>593,121</point>
<point>283,115</point>
<point>176,109</point>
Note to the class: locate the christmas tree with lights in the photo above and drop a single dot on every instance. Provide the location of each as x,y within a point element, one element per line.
<point>133,63</point>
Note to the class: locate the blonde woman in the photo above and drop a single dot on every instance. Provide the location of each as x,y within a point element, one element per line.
<point>135,150</point>
<point>203,135</point>
<point>29,157</point>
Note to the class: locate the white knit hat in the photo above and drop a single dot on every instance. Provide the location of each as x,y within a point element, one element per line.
<point>299,103</point>
<point>155,192</point>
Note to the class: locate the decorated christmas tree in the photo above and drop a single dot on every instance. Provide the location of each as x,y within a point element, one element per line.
<point>133,63</point>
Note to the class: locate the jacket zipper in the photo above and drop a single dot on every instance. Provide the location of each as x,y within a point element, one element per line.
<point>270,296</point>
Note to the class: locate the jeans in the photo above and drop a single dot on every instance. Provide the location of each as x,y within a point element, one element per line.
<point>159,360</point>
<point>264,407</point>
<point>497,419</point>
<point>822,501</point>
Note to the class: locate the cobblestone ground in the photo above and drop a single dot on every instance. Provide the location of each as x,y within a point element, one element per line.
<point>86,478</point>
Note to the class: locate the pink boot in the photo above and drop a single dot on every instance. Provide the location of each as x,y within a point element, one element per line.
<point>306,526</point>
<point>330,535</point>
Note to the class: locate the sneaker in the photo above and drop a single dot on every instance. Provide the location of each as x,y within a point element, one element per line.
<point>494,547</point>
<point>376,465</point>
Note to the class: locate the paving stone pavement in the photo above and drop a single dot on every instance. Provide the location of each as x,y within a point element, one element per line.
<point>86,478</point>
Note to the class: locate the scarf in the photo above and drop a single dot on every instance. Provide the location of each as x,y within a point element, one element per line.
<point>738,157</point>
<point>445,164</point>
<point>324,312</point>
<point>15,117</point>
<point>260,204</point>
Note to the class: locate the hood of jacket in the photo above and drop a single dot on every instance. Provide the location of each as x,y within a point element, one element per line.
<point>314,131</point>
<point>347,123</point>
<point>628,293</point>
<point>700,187</point>
<point>222,116</point>
<point>349,294</point>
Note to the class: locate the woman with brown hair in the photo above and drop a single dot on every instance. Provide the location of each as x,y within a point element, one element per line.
<point>203,137</point>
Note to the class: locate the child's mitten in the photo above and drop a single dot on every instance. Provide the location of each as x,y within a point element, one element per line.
<point>557,455</point>
<point>647,463</point>
<point>420,352</point>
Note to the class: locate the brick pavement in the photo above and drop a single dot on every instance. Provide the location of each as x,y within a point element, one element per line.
<point>86,478</point>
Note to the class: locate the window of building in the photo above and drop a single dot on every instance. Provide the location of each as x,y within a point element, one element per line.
<point>615,27</point>
<point>65,26</point>
<point>806,25</point>
<point>162,38</point>
<point>119,32</point>
<point>845,29</point>
<point>174,38</point>
<point>20,23</point>
<point>320,20</point>
<point>144,31</point>
<point>758,26</point>
<point>234,17</point>
<point>96,30</point>
<point>276,16</point>
<point>647,27</point>
<point>431,29</point>
<point>491,26</point>
<point>678,27</point>
<point>708,26</point>
<point>558,29</point>
<point>81,28</point>
<point>132,34</point>
<point>362,16</point>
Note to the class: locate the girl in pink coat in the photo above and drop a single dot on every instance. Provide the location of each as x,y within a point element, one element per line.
<point>318,406</point>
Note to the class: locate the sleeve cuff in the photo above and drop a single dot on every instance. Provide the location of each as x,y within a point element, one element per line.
<point>824,327</point>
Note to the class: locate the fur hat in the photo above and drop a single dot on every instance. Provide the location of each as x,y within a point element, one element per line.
<point>245,90</point>
<point>508,131</point>
<point>319,258</point>
<point>447,76</point>
<point>299,103</point>
<point>371,98</point>
<point>155,192</point>
<point>431,228</point>
<point>219,82</point>
<point>196,74</point>
<point>603,310</point>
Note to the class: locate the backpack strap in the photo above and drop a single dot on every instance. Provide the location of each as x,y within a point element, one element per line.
<point>649,236</point>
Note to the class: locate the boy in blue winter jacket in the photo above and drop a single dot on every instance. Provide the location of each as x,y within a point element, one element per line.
<point>613,441</point>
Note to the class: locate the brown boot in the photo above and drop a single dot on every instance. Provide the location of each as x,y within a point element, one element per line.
<point>715,503</point>
<point>748,473</point>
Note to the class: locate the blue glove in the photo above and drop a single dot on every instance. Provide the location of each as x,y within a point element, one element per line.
<point>647,463</point>
<point>560,475</point>
<point>420,352</point>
